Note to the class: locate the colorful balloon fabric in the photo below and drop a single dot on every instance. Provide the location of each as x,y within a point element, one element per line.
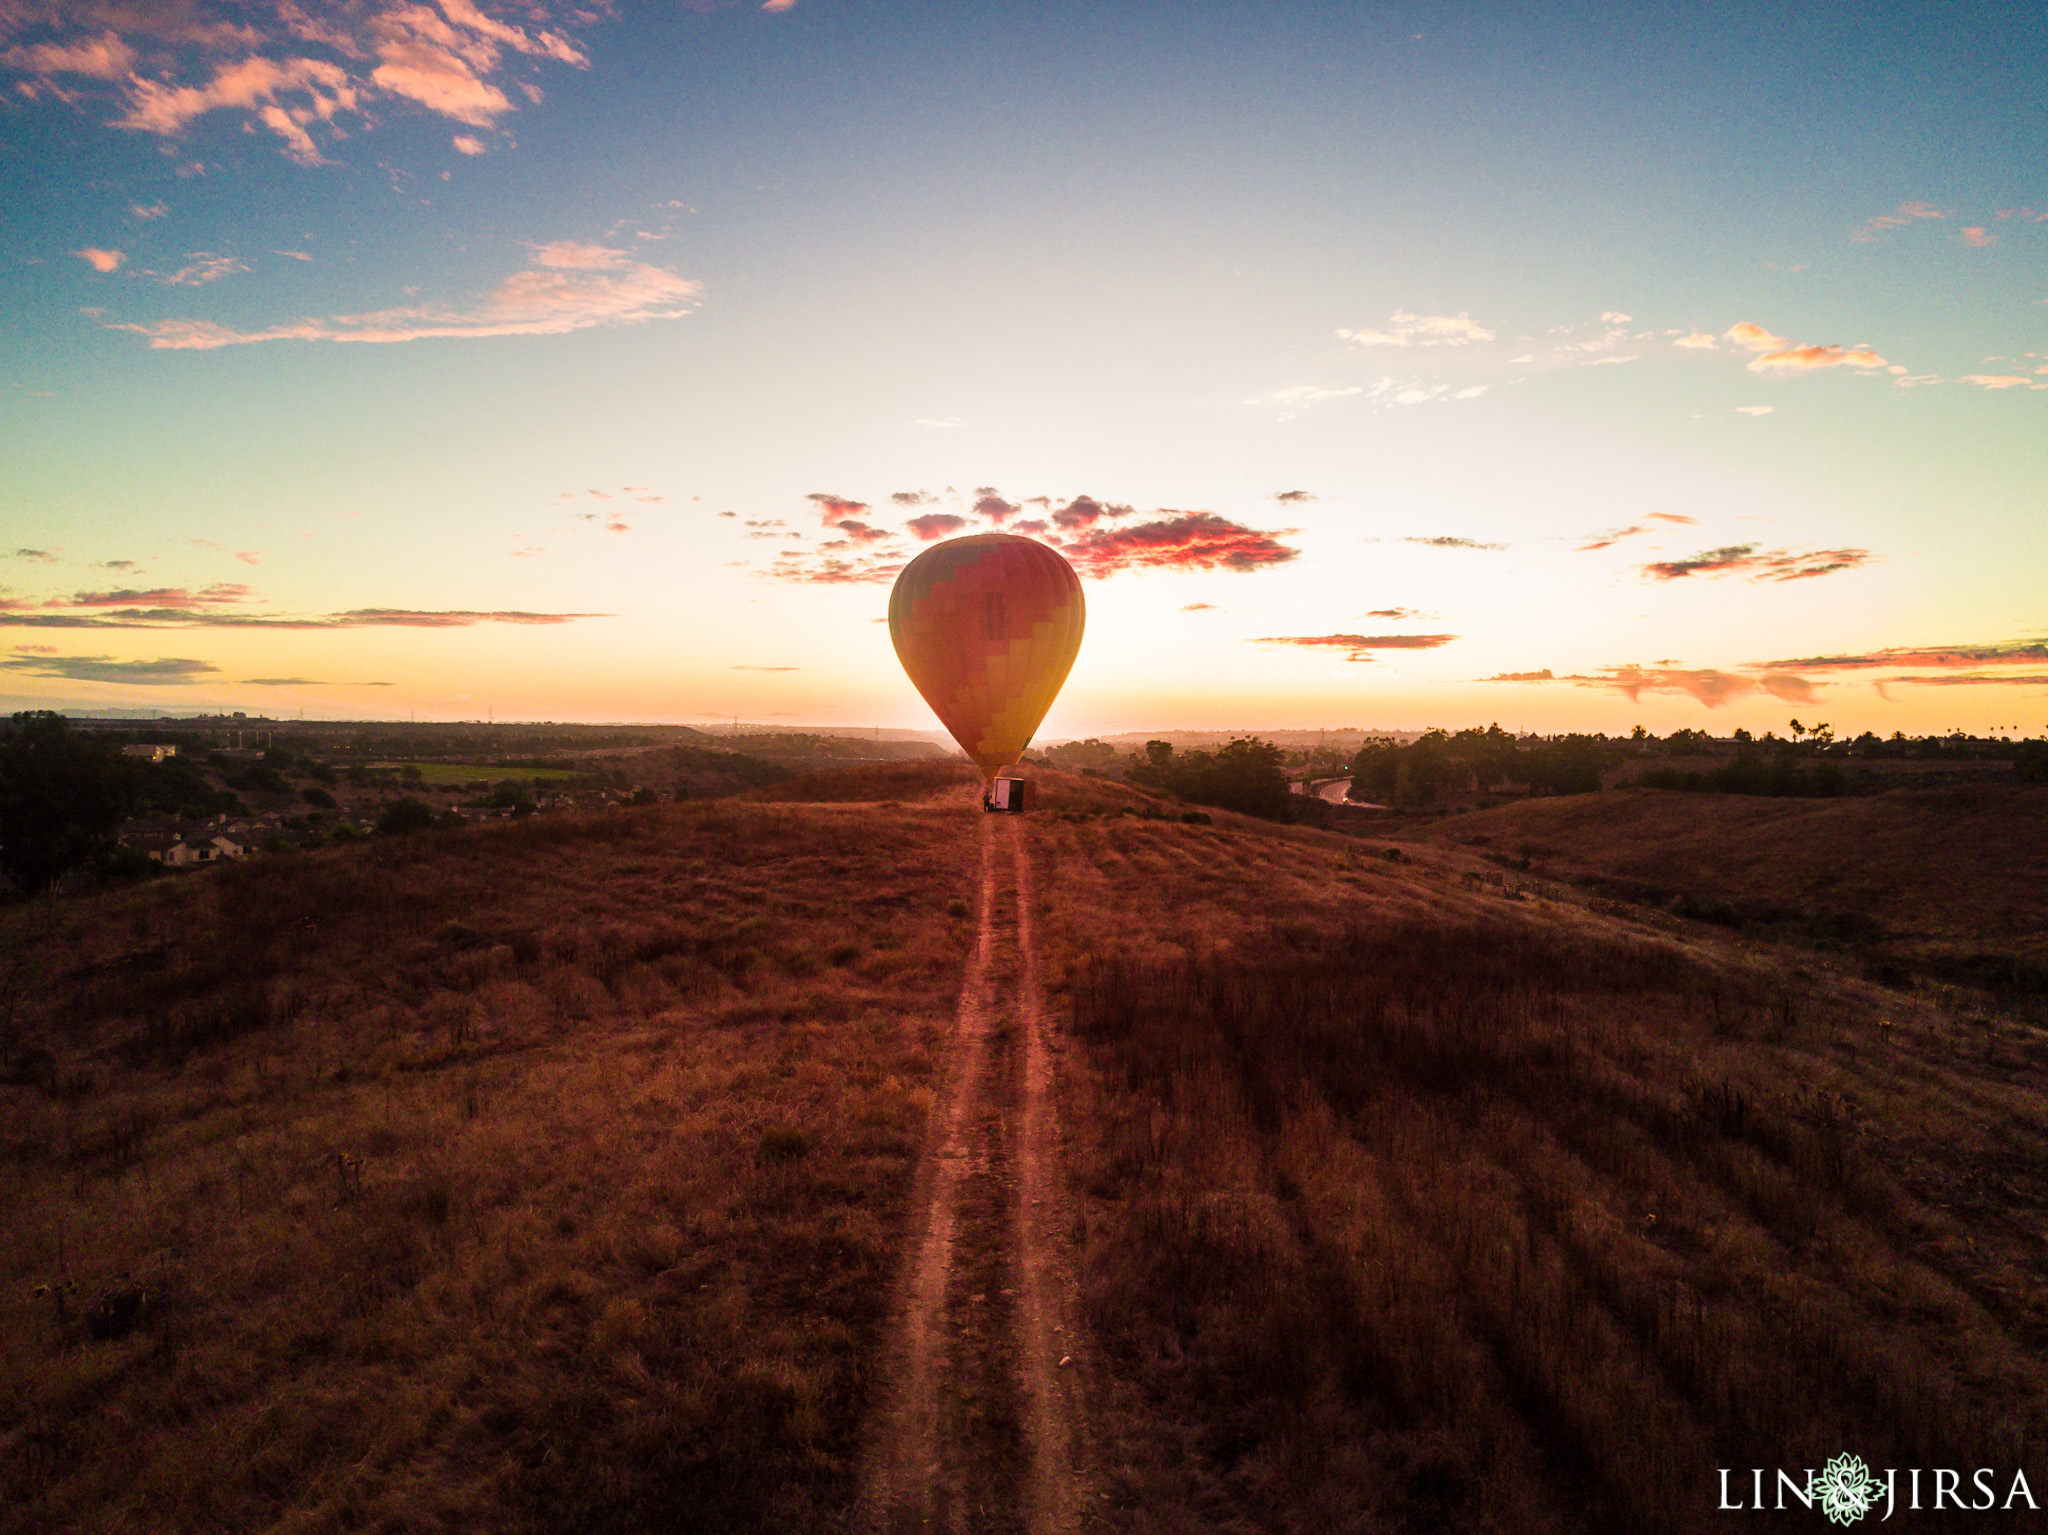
<point>988,628</point>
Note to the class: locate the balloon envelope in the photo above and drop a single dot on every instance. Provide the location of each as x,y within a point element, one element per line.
<point>988,628</point>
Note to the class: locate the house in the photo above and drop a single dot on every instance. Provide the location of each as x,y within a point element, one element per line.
<point>150,753</point>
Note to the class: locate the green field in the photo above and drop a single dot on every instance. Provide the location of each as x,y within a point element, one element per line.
<point>471,772</point>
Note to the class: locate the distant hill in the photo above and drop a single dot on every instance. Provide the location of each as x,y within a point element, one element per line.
<point>1950,879</point>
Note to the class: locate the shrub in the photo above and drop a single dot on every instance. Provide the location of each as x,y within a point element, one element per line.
<point>404,815</point>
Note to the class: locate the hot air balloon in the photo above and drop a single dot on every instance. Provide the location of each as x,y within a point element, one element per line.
<point>988,628</point>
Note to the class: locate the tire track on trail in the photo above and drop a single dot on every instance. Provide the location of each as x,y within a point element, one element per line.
<point>977,1425</point>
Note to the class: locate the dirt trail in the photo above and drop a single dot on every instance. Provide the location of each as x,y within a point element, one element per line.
<point>978,1423</point>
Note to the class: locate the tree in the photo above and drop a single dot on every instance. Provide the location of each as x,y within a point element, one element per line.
<point>404,815</point>
<point>62,797</point>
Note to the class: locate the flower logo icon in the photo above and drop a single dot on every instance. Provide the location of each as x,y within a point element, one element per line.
<point>1848,1489</point>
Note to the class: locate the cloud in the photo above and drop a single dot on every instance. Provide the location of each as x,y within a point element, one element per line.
<point>1543,676</point>
<point>1770,565</point>
<point>1178,541</point>
<point>38,556</point>
<point>1677,517</point>
<point>100,260</point>
<point>1293,497</point>
<point>935,525</point>
<point>282,682</point>
<point>252,85</point>
<point>1808,359</point>
<point>1978,237</point>
<point>767,668</point>
<point>1359,647</point>
<point>1977,679</point>
<point>165,672</point>
<point>1406,329</point>
<point>777,7</point>
<point>468,144</point>
<point>1754,410</point>
<point>1086,511</point>
<point>1907,212</point>
<point>1400,613</point>
<point>992,506</point>
<point>147,211</point>
<point>221,592</point>
<point>834,509</point>
<point>568,287</point>
<point>294,255</point>
<point>861,533</point>
<point>1200,607</point>
<point>1747,333</point>
<point>837,572</point>
<point>1972,657</point>
<point>189,616</point>
<point>1610,539</point>
<point>1999,381</point>
<point>204,267</point>
<point>1446,542</point>
<point>1699,340</point>
<point>911,498</point>
<point>105,57</point>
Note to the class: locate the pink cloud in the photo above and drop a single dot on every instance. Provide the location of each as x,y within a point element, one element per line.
<point>1976,235</point>
<point>833,509</point>
<point>99,260</point>
<point>1998,381</point>
<point>1178,541</point>
<point>1678,517</point>
<point>567,289</point>
<point>935,525</point>
<point>1906,214</point>
<point>992,506</point>
<point>104,57</point>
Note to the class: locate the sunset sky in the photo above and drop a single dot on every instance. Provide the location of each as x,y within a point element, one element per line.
<point>1574,366</point>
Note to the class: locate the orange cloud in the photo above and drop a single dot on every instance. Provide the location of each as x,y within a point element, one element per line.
<point>834,510</point>
<point>1747,333</point>
<point>100,260</point>
<point>1807,359</point>
<point>1405,329</point>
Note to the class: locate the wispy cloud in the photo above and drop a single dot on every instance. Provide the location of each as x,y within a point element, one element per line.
<point>1359,647</point>
<point>201,267</point>
<point>1407,329</point>
<point>1959,657</point>
<point>1446,541</point>
<point>169,671</point>
<point>2000,381</point>
<point>219,594</point>
<point>1293,497</point>
<point>1709,686</point>
<point>568,287</point>
<point>174,616</point>
<point>1698,340</point>
<point>38,556</point>
<point>1756,564</point>
<point>1978,237</point>
<point>1754,410</point>
<point>1905,214</point>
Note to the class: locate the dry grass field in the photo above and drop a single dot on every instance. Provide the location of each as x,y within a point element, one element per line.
<point>1410,1205</point>
<point>556,1176</point>
<point>545,1177</point>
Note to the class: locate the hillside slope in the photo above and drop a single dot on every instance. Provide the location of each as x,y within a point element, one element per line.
<point>1942,869</point>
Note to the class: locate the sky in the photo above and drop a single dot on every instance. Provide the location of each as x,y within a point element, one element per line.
<point>1569,366</point>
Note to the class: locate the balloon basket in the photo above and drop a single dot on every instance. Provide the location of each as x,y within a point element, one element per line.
<point>1008,795</point>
